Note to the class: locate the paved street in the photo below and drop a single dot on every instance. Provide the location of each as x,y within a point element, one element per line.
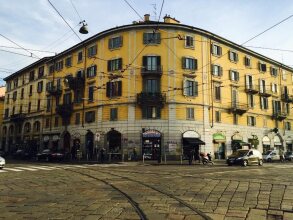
<point>136,191</point>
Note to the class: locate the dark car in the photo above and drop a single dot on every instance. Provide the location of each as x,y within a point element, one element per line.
<point>49,155</point>
<point>289,156</point>
<point>22,154</point>
<point>245,157</point>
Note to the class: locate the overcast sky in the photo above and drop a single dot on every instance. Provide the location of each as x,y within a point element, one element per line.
<point>34,24</point>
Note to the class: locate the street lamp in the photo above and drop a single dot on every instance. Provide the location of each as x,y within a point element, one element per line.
<point>83,29</point>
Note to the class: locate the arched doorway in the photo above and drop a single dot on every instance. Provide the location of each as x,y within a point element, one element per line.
<point>66,142</point>
<point>151,145</point>
<point>266,144</point>
<point>89,143</point>
<point>114,143</point>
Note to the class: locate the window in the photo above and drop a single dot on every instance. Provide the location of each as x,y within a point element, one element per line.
<point>274,88</point>
<point>79,56</point>
<point>40,87</point>
<point>68,61</point>
<point>9,85</point>
<point>13,110</point>
<point>23,79</point>
<point>264,103</point>
<point>216,50</point>
<point>31,90</point>
<point>90,116</point>
<point>67,98</point>
<point>247,61</point>
<point>39,105</point>
<point>59,65</point>
<point>115,42</point>
<point>7,98</point>
<point>274,71</point>
<point>217,92</point>
<point>114,89</point>
<point>249,82</point>
<point>79,74</point>
<point>56,121</point>
<point>151,38</point>
<point>77,96</point>
<point>41,72</point>
<point>115,64</point>
<point>189,63</point>
<point>234,75</point>
<point>190,88</point>
<point>47,123</point>
<point>276,107</point>
<point>32,75</point>
<point>77,118</point>
<point>189,41</point>
<point>14,96</point>
<point>91,94</point>
<point>51,69</point>
<point>218,116</point>
<point>29,107</point>
<point>15,83</point>
<point>22,93</point>
<point>265,123</point>
<point>113,114</point>
<point>151,63</point>
<point>151,112</point>
<point>48,104</point>
<point>151,85</point>
<point>262,86</point>
<point>91,71</point>
<point>233,56</point>
<point>217,70</point>
<point>251,121</point>
<point>20,109</point>
<point>250,100</point>
<point>286,107</point>
<point>284,75</point>
<point>92,51</point>
<point>288,126</point>
<point>190,113</point>
<point>262,67</point>
<point>6,114</point>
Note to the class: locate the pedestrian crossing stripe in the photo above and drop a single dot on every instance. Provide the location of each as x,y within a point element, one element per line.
<point>26,168</point>
<point>13,169</point>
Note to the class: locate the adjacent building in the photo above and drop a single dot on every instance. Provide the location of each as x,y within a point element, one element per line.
<point>156,86</point>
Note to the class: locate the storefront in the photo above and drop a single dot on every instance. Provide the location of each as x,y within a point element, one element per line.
<point>266,144</point>
<point>238,143</point>
<point>289,144</point>
<point>151,145</point>
<point>278,143</point>
<point>191,143</point>
<point>219,141</point>
<point>253,141</point>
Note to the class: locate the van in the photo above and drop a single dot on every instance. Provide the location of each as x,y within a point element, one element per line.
<point>245,158</point>
<point>271,156</point>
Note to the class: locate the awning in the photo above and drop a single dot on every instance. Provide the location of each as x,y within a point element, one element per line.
<point>219,138</point>
<point>240,143</point>
<point>193,141</point>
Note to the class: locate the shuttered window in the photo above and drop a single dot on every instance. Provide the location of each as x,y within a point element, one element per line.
<point>190,88</point>
<point>189,63</point>
<point>115,64</point>
<point>151,38</point>
<point>114,89</point>
<point>115,42</point>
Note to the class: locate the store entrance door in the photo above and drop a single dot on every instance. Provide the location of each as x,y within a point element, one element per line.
<point>151,145</point>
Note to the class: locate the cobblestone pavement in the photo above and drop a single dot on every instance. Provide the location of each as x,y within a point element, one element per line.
<point>135,191</point>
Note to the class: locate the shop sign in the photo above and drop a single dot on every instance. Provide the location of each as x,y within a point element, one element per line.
<point>237,137</point>
<point>55,137</point>
<point>277,140</point>
<point>190,134</point>
<point>46,138</point>
<point>151,134</point>
<point>266,140</point>
<point>219,138</point>
<point>289,140</point>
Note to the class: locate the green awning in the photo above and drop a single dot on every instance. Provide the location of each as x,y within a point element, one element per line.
<point>218,137</point>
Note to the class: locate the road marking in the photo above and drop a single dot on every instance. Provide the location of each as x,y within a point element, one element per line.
<point>42,168</point>
<point>3,171</point>
<point>13,169</point>
<point>26,168</point>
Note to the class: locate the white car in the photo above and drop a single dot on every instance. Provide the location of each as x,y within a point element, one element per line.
<point>2,162</point>
<point>271,156</point>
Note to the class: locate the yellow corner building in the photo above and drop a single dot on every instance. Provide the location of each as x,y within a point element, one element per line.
<point>157,87</point>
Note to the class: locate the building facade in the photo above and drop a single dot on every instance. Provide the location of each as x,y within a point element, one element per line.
<point>155,86</point>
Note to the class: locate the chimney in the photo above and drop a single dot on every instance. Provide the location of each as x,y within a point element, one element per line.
<point>147,17</point>
<point>168,19</point>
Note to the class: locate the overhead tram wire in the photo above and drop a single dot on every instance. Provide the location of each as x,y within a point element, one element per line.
<point>7,51</point>
<point>133,9</point>
<point>64,20</point>
<point>42,51</point>
<point>75,10</point>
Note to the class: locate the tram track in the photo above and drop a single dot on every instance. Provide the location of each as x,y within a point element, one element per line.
<point>147,188</point>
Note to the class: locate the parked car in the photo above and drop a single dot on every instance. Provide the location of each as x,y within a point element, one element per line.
<point>22,154</point>
<point>245,157</point>
<point>2,162</point>
<point>289,156</point>
<point>271,156</point>
<point>49,155</point>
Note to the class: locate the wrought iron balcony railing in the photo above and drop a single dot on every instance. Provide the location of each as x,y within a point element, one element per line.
<point>64,110</point>
<point>279,115</point>
<point>238,108</point>
<point>252,89</point>
<point>152,71</point>
<point>17,118</point>
<point>151,99</point>
<point>54,90</point>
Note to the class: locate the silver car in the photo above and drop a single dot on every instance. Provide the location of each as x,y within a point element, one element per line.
<point>2,162</point>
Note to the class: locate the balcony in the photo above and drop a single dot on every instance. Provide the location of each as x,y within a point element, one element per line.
<point>152,71</point>
<point>265,93</point>
<point>17,118</point>
<point>251,89</point>
<point>156,99</point>
<point>280,116</point>
<point>54,90</point>
<point>64,110</point>
<point>287,98</point>
<point>238,108</point>
<point>75,82</point>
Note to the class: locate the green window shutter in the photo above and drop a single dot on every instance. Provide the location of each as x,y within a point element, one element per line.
<point>110,45</point>
<point>119,88</point>
<point>183,63</point>
<point>120,41</point>
<point>159,60</point>
<point>108,85</point>
<point>144,61</point>
<point>195,64</point>
<point>184,87</point>
<point>221,71</point>
<point>212,69</point>
<point>109,65</point>
<point>120,64</point>
<point>195,88</point>
<point>220,50</point>
<point>145,38</point>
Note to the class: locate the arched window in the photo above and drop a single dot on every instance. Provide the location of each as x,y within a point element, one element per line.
<point>37,126</point>
<point>27,127</point>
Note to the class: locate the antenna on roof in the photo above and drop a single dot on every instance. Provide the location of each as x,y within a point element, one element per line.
<point>155,11</point>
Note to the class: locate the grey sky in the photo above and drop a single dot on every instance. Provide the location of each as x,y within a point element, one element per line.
<point>34,23</point>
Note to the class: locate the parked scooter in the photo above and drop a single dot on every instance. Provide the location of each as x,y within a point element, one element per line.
<point>206,158</point>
